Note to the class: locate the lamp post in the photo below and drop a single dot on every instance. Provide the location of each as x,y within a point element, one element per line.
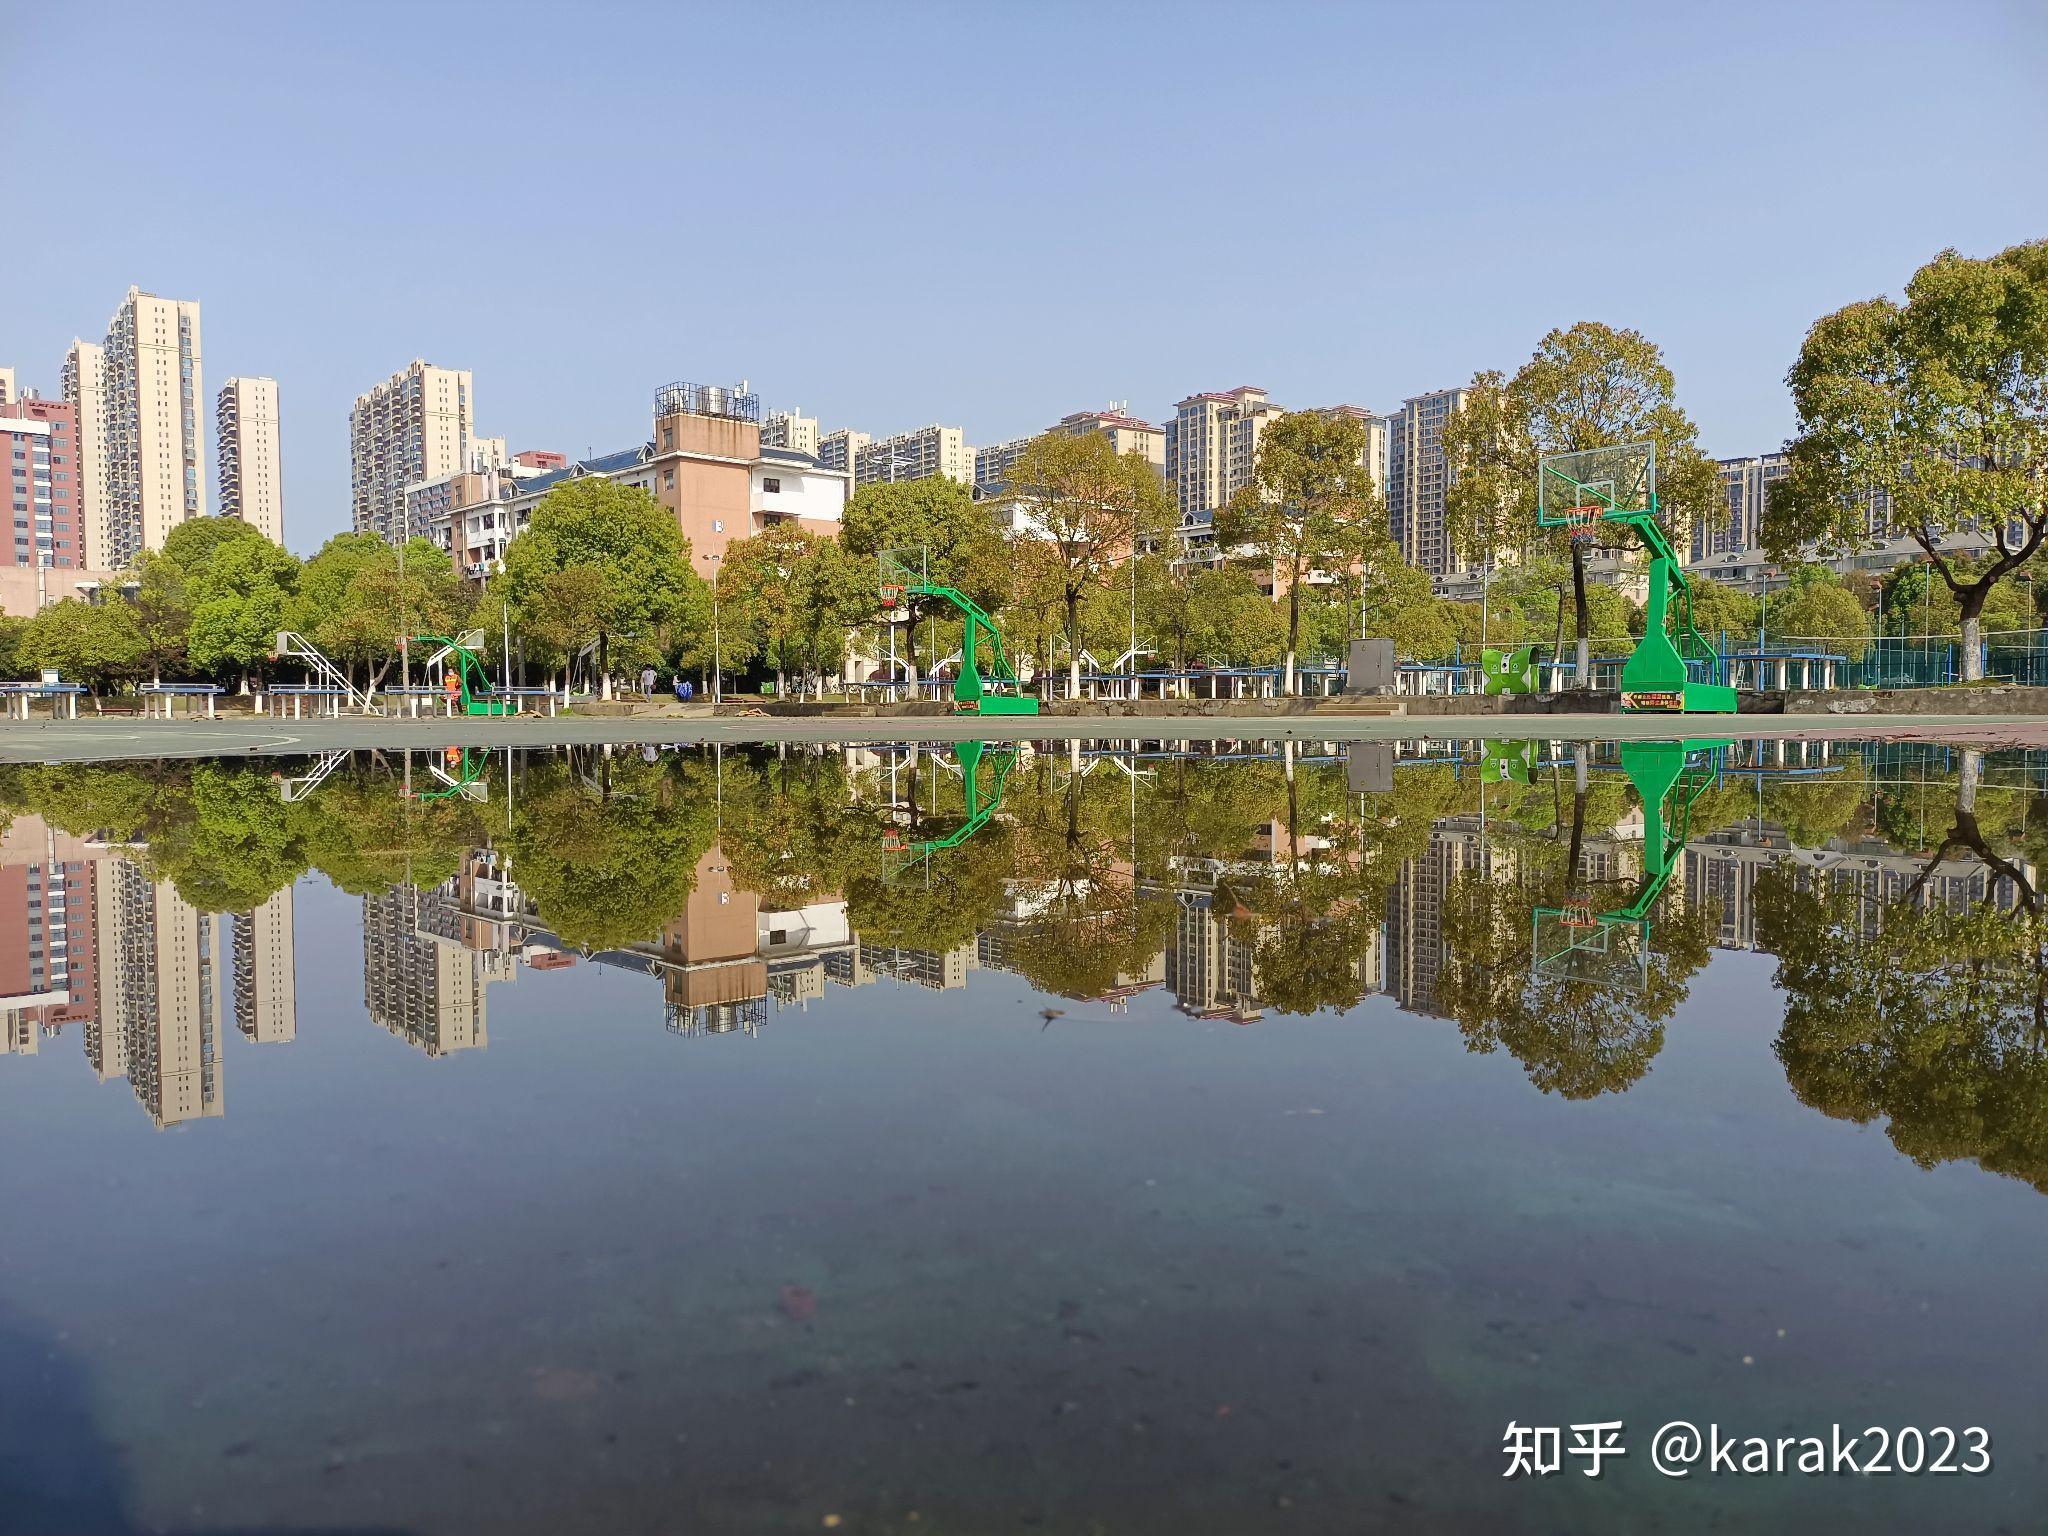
<point>717,674</point>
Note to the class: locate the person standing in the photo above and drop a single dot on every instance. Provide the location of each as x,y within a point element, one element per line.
<point>647,682</point>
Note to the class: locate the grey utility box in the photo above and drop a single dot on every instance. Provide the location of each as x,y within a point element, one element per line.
<point>1370,667</point>
<point>1369,767</point>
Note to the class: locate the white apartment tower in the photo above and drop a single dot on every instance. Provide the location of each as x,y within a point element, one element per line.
<point>792,430</point>
<point>85,388</point>
<point>138,399</point>
<point>1213,447</point>
<point>251,480</point>
<point>839,450</point>
<point>415,426</point>
<point>916,455</point>
<point>1416,478</point>
<point>265,968</point>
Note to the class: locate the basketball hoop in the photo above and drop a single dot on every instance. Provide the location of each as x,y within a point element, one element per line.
<point>1582,522</point>
<point>1577,914</point>
<point>890,596</point>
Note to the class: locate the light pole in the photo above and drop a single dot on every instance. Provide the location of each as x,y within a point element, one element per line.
<point>717,674</point>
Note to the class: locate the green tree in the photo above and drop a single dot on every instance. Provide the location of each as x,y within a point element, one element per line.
<point>94,643</point>
<point>1817,606</point>
<point>162,609</point>
<point>1312,508</point>
<point>1095,507</point>
<point>1591,386</point>
<point>1935,403</point>
<point>13,629</point>
<point>1918,602</point>
<point>793,597</point>
<point>239,603</point>
<point>939,518</point>
<point>1720,608</point>
<point>632,542</point>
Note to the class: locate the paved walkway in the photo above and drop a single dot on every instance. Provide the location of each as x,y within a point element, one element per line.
<point>72,741</point>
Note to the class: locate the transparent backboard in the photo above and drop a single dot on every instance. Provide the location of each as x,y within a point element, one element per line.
<point>903,566</point>
<point>1569,944</point>
<point>1590,483</point>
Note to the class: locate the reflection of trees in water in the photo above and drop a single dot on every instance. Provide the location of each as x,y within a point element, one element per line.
<point>607,851</point>
<point>1925,1002</point>
<point>1575,1037</point>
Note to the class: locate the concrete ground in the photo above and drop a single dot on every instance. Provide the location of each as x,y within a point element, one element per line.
<point>73,741</point>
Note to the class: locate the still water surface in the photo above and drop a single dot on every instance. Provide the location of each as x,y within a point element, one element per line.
<point>1068,1142</point>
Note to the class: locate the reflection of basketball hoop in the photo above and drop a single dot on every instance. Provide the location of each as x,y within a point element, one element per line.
<point>892,841</point>
<point>1577,914</point>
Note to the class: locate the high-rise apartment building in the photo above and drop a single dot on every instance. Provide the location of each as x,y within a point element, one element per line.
<point>1376,434</point>
<point>1126,434</point>
<point>47,934</point>
<point>1416,479</point>
<point>8,388</point>
<point>417,425</point>
<point>839,450</point>
<point>84,390</point>
<point>251,479</point>
<point>1736,525</point>
<point>424,988</point>
<point>1212,447</point>
<point>39,478</point>
<point>916,455</point>
<point>159,994</point>
<point>265,968</point>
<point>791,429</point>
<point>138,395</point>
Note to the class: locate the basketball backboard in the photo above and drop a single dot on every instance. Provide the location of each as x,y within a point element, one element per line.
<point>1574,944</point>
<point>1591,483</point>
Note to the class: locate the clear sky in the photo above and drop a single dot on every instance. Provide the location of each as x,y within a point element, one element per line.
<point>984,215</point>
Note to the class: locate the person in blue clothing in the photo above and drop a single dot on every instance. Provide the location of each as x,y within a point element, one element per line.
<point>684,692</point>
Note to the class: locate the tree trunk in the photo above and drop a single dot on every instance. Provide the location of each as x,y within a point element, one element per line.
<point>1972,603</point>
<point>1293,628</point>
<point>1582,667</point>
<point>1073,644</point>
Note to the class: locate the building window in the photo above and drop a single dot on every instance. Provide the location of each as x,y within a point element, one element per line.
<point>772,487</point>
<point>668,479</point>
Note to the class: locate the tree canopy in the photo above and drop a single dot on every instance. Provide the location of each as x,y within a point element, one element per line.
<point>1933,407</point>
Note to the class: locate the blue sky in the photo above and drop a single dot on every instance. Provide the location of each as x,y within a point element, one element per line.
<point>895,214</point>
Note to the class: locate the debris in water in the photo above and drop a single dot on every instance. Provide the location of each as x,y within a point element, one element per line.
<point>799,1303</point>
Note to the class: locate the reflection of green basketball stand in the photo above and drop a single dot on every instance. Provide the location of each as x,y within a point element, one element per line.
<point>1508,671</point>
<point>1612,949</point>
<point>983,799</point>
<point>905,574</point>
<point>1581,492</point>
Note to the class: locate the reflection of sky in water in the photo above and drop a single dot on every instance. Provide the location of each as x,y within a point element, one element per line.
<point>916,1250</point>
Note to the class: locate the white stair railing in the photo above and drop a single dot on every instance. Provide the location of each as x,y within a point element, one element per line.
<point>296,646</point>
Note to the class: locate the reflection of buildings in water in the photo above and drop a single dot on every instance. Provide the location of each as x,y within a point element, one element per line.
<point>1721,872</point>
<point>995,950</point>
<point>160,994</point>
<point>1209,961</point>
<point>48,976</point>
<point>726,955</point>
<point>1415,944</point>
<point>421,981</point>
<point>266,971</point>
<point>940,970</point>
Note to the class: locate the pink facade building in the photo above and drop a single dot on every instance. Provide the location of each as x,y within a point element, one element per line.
<point>39,483</point>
